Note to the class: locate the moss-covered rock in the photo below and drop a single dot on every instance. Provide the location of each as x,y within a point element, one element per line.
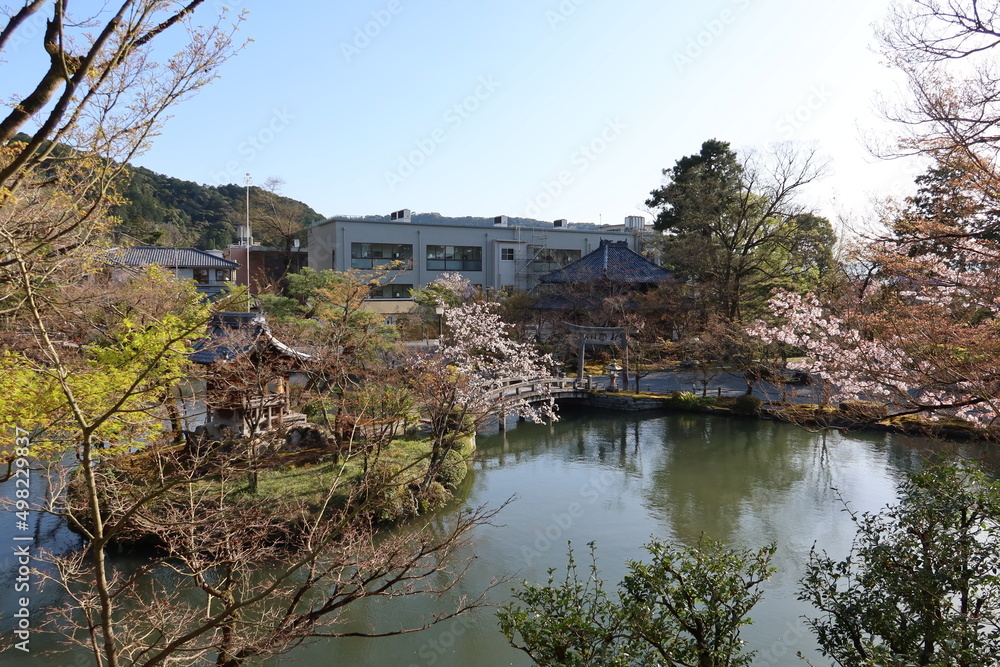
<point>863,411</point>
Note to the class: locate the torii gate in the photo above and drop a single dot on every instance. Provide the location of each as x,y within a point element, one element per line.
<point>602,337</point>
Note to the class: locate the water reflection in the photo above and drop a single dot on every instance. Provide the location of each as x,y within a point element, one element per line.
<point>618,479</point>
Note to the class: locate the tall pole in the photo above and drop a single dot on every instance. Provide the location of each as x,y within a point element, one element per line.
<point>247,181</point>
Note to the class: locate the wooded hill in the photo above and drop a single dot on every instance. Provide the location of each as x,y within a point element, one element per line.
<point>170,211</point>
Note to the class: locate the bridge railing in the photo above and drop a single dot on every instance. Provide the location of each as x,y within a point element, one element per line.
<point>547,386</point>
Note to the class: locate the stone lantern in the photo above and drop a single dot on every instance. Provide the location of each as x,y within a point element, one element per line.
<point>613,370</point>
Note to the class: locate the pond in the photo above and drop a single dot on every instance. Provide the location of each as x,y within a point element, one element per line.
<point>618,479</point>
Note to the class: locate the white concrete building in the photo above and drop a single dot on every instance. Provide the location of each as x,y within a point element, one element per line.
<point>495,257</point>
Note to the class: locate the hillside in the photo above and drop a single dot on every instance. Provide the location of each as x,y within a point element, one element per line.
<point>170,211</point>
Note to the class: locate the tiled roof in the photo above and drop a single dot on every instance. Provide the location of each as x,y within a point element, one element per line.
<point>144,255</point>
<point>224,345</point>
<point>614,262</point>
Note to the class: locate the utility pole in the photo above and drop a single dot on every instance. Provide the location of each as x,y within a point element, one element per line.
<point>248,239</point>
<point>247,181</point>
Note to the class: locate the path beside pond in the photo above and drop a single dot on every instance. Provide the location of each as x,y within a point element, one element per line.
<point>726,384</point>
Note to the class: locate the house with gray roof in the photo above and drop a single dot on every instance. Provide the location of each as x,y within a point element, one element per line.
<point>209,271</point>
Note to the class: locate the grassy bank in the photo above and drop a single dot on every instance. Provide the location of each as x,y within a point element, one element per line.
<point>385,484</point>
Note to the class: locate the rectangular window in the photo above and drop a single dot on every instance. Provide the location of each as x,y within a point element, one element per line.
<point>507,253</point>
<point>200,276</point>
<point>550,259</point>
<point>454,258</point>
<point>372,255</point>
<point>391,291</point>
<point>221,275</point>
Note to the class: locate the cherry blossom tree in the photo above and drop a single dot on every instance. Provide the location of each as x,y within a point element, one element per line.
<point>916,324</point>
<point>462,385</point>
<point>915,331</point>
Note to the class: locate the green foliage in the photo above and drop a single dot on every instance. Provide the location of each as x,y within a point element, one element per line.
<point>453,470</point>
<point>571,623</point>
<point>688,401</point>
<point>302,286</point>
<point>394,499</point>
<point>439,293</point>
<point>280,308</point>
<point>160,208</point>
<point>730,224</point>
<point>684,607</point>
<point>433,497</point>
<point>116,381</point>
<point>689,604</point>
<point>748,405</point>
<point>921,585</point>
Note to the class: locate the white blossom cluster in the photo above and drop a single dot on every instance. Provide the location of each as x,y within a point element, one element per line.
<point>929,349</point>
<point>485,358</point>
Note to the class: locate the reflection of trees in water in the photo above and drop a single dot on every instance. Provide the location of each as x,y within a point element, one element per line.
<point>733,479</point>
<point>581,435</point>
<point>712,473</point>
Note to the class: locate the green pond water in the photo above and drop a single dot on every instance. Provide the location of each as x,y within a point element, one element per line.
<point>617,479</point>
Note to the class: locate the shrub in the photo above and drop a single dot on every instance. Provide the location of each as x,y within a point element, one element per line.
<point>453,470</point>
<point>686,606</point>
<point>434,497</point>
<point>748,405</point>
<point>919,586</point>
<point>685,400</point>
<point>393,498</point>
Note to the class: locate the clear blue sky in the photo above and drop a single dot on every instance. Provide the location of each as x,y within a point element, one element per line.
<point>548,108</point>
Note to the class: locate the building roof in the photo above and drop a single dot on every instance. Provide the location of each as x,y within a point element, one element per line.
<point>234,334</point>
<point>482,224</point>
<point>188,258</point>
<point>612,261</point>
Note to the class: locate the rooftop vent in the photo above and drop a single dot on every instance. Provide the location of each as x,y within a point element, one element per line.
<point>561,223</point>
<point>500,221</point>
<point>402,215</point>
